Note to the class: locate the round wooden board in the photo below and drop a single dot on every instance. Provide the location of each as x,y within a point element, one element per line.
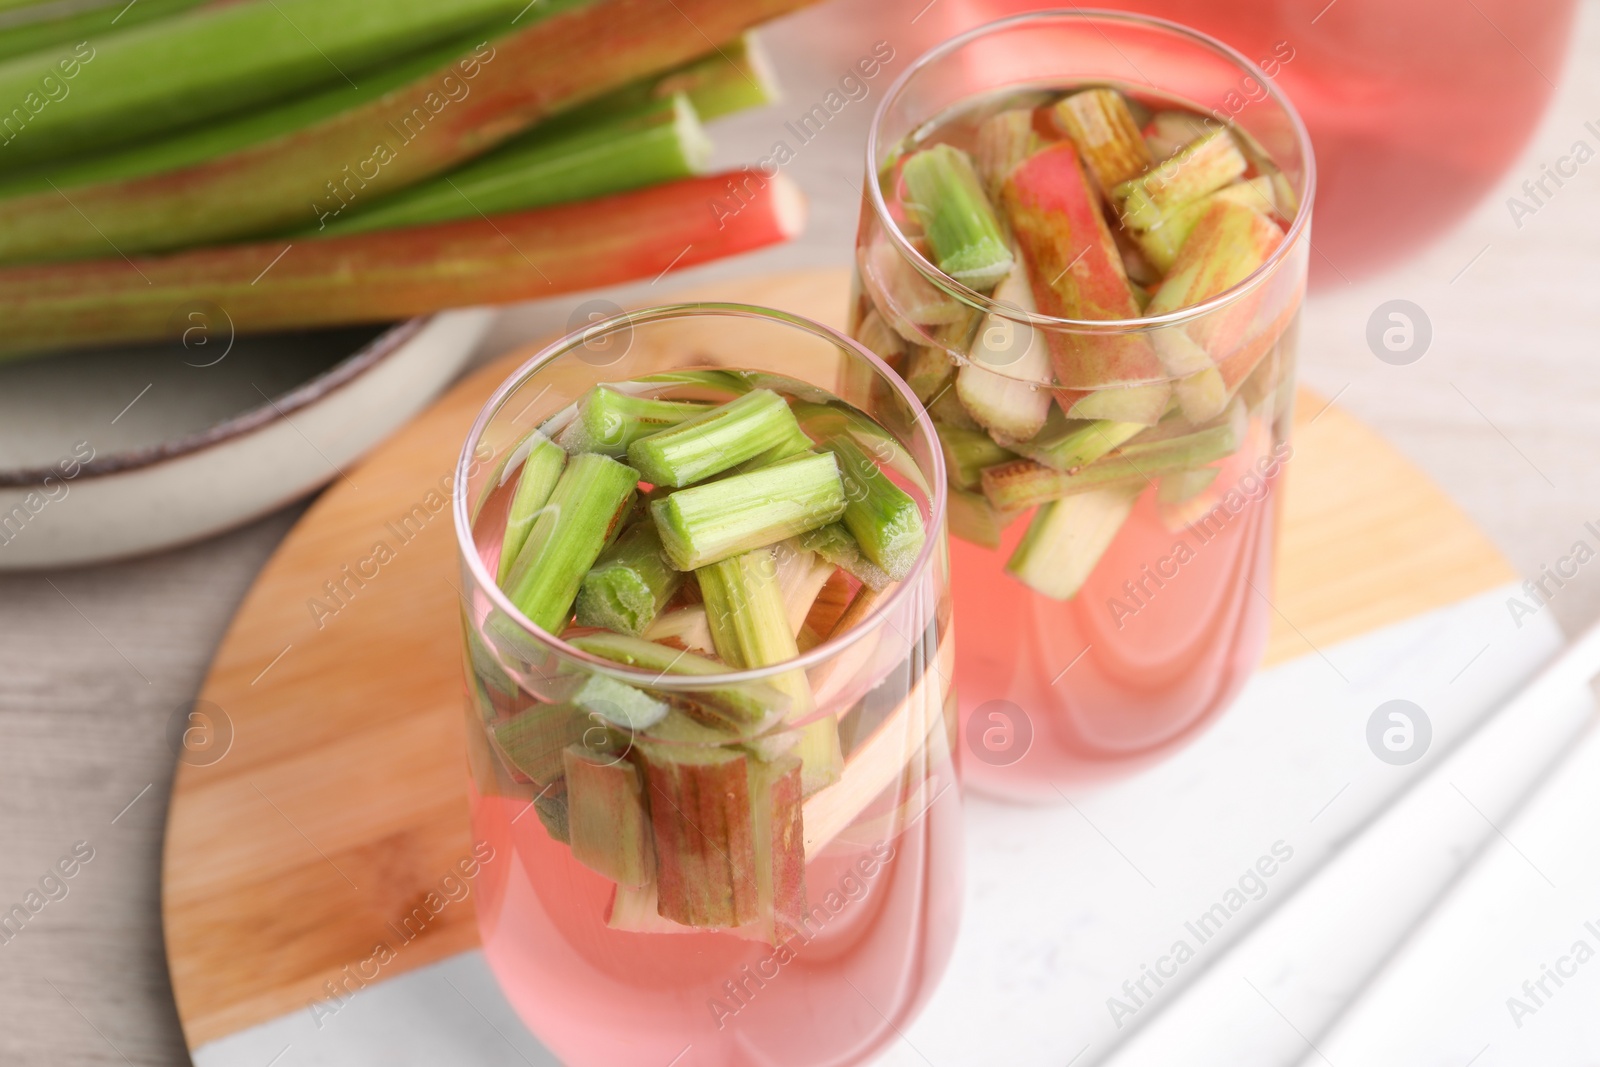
<point>340,802</point>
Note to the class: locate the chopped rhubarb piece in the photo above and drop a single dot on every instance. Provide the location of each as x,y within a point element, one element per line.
<point>1024,483</point>
<point>532,742</point>
<point>715,520</point>
<point>1066,539</point>
<point>1160,243</point>
<point>1168,131</point>
<point>630,583</point>
<point>604,699</point>
<point>1004,141</point>
<point>1002,385</point>
<point>946,197</point>
<point>1077,271</point>
<point>541,468</point>
<point>911,304</point>
<point>1067,444</point>
<point>876,336</point>
<point>609,421</point>
<point>946,409</point>
<point>972,518</point>
<point>776,812</point>
<point>928,372</point>
<point>1108,139</point>
<point>727,830</point>
<point>885,521</point>
<point>684,628</point>
<point>713,441</point>
<point>836,544</point>
<point>589,499</point>
<point>1226,246</point>
<point>749,708</point>
<point>608,822</point>
<point>750,625</point>
<point>1144,404</point>
<point>551,807</point>
<point>703,833</point>
<point>1198,168</point>
<point>1184,485</point>
<point>1256,441</point>
<point>967,452</point>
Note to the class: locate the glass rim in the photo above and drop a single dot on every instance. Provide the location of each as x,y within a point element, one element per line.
<point>466,546</point>
<point>1299,225</point>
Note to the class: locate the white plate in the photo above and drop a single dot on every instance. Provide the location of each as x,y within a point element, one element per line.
<point>113,453</point>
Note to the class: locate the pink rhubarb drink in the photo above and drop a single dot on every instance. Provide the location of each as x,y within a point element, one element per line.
<point>710,722</point>
<point>1090,274</point>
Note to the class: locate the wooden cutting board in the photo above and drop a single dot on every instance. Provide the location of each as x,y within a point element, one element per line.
<point>340,801</point>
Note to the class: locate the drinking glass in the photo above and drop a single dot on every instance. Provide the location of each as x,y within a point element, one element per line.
<point>1173,618</point>
<point>590,963</point>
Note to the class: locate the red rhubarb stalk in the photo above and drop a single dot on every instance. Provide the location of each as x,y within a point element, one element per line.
<point>376,277</point>
<point>1077,271</point>
<point>394,141</point>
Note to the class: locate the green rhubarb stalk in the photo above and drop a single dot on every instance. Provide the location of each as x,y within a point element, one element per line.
<point>713,84</point>
<point>836,544</point>
<point>1068,444</point>
<point>630,583</point>
<point>1004,140</point>
<point>223,58</point>
<point>911,304</point>
<point>885,521</point>
<point>715,440</point>
<point>1227,245</point>
<point>1066,538</point>
<point>531,743</point>
<point>967,452</point>
<point>1168,131</point>
<point>1003,385</point>
<point>1144,404</point>
<point>944,194</point>
<point>231,133</point>
<point>1198,168</point>
<point>590,497</point>
<point>736,76</point>
<point>37,26</point>
<point>1108,139</point>
<point>608,421</point>
<point>380,277</point>
<point>1024,483</point>
<point>541,469</point>
<point>750,625</point>
<point>396,140</point>
<point>1160,243</point>
<point>617,704</point>
<point>750,707</point>
<point>531,171</point>
<point>928,372</point>
<point>972,518</point>
<point>715,520</point>
<point>876,336</point>
<point>608,821</point>
<point>1183,486</point>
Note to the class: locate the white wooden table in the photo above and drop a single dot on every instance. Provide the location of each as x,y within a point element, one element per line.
<point>1502,412</point>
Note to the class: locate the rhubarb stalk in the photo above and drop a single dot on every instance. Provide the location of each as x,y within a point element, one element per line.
<point>557,63</point>
<point>944,194</point>
<point>541,469</point>
<point>381,277</point>
<point>715,520</point>
<point>567,537</point>
<point>1077,271</point>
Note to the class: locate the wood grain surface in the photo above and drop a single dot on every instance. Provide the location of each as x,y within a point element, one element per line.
<point>340,801</point>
